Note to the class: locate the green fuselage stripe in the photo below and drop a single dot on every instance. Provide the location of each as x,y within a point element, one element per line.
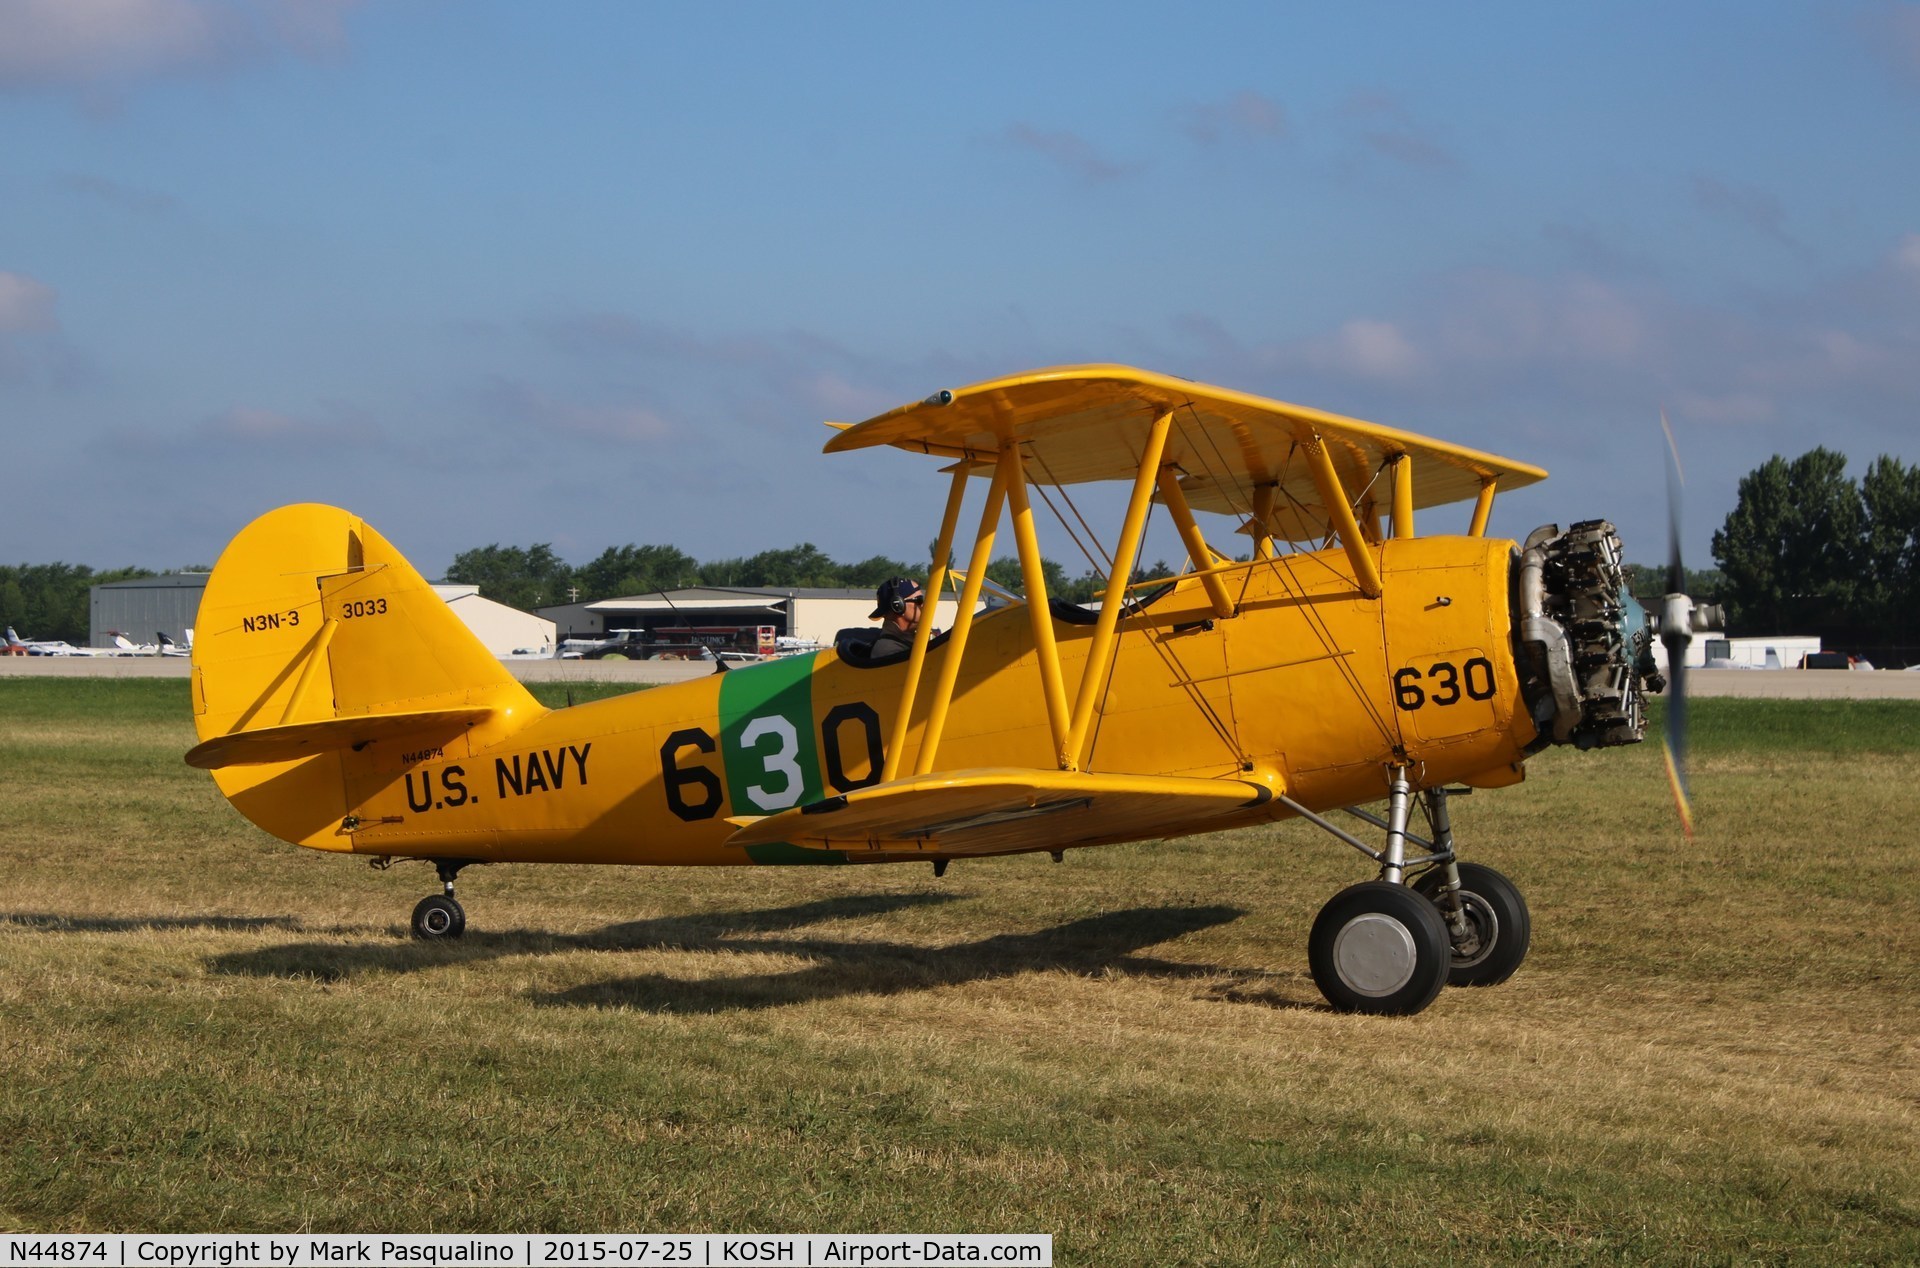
<point>767,739</point>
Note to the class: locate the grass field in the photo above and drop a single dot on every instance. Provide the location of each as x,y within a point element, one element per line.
<point>1711,1055</point>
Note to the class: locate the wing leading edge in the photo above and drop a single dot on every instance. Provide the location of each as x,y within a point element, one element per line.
<point>1003,811</point>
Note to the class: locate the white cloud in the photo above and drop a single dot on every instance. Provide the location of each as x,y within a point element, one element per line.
<point>85,41</point>
<point>1367,349</point>
<point>1068,151</point>
<point>1492,317</point>
<point>1907,255</point>
<point>25,304</point>
<point>1893,32</point>
<point>528,414</point>
<point>843,400</point>
<point>1496,336</point>
<point>1245,115</point>
<point>1748,205</point>
<point>247,427</point>
<point>100,48</point>
<point>1390,130</point>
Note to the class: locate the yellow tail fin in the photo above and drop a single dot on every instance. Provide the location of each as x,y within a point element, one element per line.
<point>317,642</point>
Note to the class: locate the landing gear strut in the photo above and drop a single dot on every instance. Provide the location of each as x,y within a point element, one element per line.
<point>1387,946</point>
<point>439,916</point>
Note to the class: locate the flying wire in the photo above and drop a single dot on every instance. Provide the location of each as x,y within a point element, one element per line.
<point>1106,562</point>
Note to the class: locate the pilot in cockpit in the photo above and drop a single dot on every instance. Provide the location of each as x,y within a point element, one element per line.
<point>898,603</point>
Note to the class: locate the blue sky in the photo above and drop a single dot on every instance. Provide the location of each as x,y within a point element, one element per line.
<point>594,273</point>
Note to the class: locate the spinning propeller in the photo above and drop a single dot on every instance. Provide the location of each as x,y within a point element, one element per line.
<point>1680,618</point>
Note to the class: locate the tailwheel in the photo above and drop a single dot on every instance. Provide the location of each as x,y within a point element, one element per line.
<point>438,917</point>
<point>1378,947</point>
<point>1491,937</point>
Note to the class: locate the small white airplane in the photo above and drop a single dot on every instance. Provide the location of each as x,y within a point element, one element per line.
<point>618,645</point>
<point>124,646</point>
<point>46,647</point>
<point>170,648</point>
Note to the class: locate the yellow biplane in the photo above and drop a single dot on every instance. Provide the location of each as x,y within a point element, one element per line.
<point>341,705</point>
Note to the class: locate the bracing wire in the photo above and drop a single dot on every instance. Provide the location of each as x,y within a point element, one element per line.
<point>1104,562</point>
<point>1095,564</point>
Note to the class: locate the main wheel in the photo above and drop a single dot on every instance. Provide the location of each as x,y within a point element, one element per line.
<point>438,917</point>
<point>1497,916</point>
<point>1379,948</point>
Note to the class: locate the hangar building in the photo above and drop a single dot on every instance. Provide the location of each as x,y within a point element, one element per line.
<point>812,614</point>
<point>144,607</point>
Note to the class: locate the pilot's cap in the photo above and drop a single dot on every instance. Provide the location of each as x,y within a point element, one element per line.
<point>892,597</point>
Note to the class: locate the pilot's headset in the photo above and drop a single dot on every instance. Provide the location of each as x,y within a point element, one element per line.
<point>894,595</point>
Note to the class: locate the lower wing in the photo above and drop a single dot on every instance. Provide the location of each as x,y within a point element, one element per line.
<point>1003,811</point>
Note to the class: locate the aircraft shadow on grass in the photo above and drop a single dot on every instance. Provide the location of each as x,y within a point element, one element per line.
<point>1107,943</point>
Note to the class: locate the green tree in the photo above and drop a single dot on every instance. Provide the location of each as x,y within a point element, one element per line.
<point>1706,585</point>
<point>801,566</point>
<point>871,572</point>
<point>1791,548</point>
<point>52,601</point>
<point>521,578</point>
<point>1006,572</point>
<point>629,570</point>
<point>1890,496</point>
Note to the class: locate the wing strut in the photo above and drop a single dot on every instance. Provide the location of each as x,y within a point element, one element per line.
<point>962,622</point>
<point>1046,650</point>
<point>1334,497</point>
<point>1483,507</point>
<point>1101,654</point>
<point>1263,521</point>
<point>1403,495</point>
<point>1204,562</point>
<point>923,632</point>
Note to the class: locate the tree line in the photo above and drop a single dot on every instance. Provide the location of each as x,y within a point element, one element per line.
<point>1806,550</point>
<point>52,601</point>
<point>534,576</point>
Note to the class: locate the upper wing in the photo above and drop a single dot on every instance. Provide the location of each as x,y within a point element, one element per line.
<point>1003,811</point>
<point>1089,422</point>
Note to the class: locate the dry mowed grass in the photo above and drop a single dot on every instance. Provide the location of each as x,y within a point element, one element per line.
<point>1710,1056</point>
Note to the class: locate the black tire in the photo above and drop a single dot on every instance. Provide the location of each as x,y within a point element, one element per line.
<point>437,918</point>
<point>1379,948</point>
<point>1502,928</point>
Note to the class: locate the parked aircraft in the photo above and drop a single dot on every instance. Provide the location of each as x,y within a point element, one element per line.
<point>341,705</point>
<point>47,647</point>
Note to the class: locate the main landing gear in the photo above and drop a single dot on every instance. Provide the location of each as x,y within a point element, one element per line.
<point>1387,946</point>
<point>438,917</point>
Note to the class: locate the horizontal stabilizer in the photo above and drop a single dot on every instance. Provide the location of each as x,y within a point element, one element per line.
<point>304,739</point>
<point>1004,811</point>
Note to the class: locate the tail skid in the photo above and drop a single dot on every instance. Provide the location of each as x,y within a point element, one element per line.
<point>317,639</point>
